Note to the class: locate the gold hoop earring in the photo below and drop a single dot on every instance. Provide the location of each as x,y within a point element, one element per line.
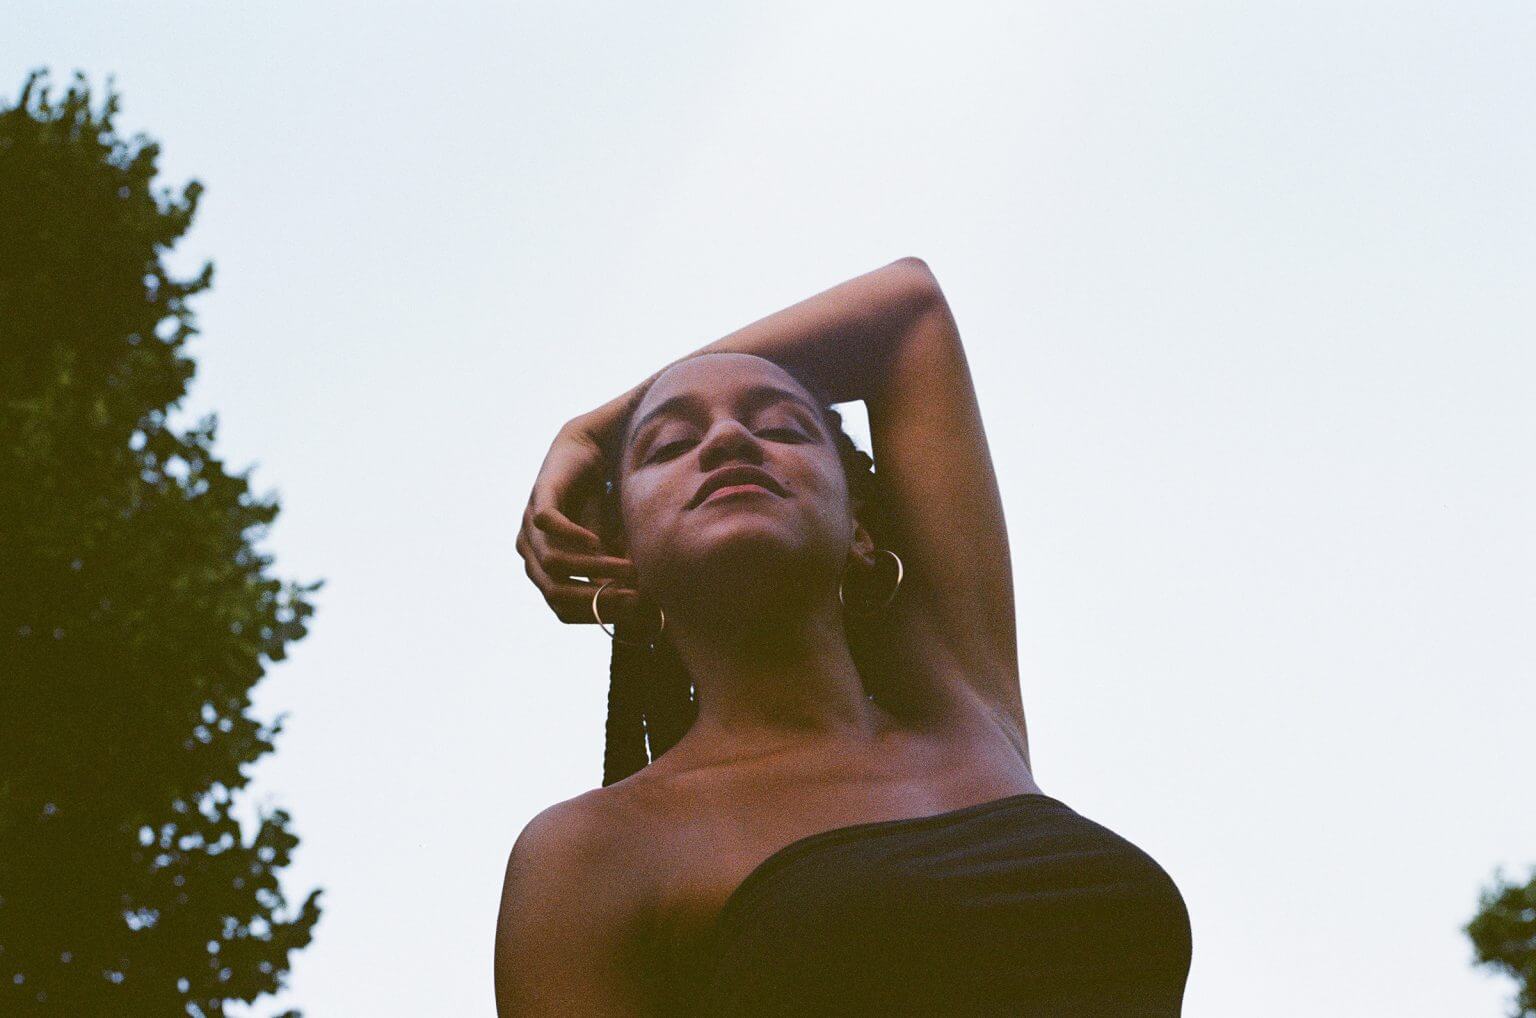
<point>611,635</point>
<point>899,573</point>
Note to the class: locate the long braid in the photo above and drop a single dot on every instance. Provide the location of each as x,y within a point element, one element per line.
<point>651,698</point>
<point>624,734</point>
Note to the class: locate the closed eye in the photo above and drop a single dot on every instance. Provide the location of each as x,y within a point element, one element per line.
<point>784,432</point>
<point>669,445</point>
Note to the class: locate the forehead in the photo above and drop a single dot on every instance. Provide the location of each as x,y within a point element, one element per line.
<point>723,379</point>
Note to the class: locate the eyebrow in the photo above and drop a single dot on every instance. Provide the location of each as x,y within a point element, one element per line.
<point>752,398</point>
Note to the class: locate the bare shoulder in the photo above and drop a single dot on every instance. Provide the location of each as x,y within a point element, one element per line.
<point>576,907</point>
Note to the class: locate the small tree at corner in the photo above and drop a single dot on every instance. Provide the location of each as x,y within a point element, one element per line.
<point>136,612</point>
<point>1503,935</point>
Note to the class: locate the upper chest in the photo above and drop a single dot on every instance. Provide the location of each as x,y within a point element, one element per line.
<point>709,835</point>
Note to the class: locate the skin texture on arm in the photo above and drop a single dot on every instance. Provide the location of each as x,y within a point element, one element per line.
<point>840,340</point>
<point>931,452</point>
<point>888,338</point>
<point>571,921</point>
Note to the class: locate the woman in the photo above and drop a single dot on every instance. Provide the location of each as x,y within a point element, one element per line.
<point>838,814</point>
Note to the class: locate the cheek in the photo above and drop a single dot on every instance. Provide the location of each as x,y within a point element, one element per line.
<point>640,490</point>
<point>628,517</point>
<point>834,483</point>
<point>826,497</point>
<point>637,508</point>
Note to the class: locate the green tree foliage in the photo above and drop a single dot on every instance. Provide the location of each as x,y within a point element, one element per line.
<point>135,612</point>
<point>1504,936</point>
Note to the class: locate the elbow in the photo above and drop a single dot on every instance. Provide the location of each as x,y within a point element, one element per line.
<point>923,284</point>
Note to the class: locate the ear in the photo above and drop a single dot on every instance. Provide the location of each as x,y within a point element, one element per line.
<point>863,547</point>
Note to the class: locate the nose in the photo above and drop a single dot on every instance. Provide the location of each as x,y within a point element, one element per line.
<point>728,439</point>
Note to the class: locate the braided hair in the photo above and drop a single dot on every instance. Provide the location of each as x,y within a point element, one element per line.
<point>652,700</point>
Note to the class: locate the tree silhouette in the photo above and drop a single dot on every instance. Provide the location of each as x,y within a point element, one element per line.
<point>135,612</point>
<point>1504,936</point>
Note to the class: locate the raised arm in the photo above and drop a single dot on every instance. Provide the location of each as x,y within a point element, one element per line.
<point>841,340</point>
<point>888,338</point>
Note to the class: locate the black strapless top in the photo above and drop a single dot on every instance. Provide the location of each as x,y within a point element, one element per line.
<point>1017,906</point>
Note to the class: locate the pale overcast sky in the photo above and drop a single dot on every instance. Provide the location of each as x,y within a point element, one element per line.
<point>1247,293</point>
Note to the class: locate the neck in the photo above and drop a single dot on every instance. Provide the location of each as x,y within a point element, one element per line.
<point>773,680</point>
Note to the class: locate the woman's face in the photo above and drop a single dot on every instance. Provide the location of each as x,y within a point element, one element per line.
<point>731,412</point>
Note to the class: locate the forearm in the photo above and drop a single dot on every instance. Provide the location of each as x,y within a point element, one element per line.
<point>839,341</point>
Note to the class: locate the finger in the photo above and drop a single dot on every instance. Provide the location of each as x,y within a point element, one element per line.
<point>572,601</point>
<point>524,545</point>
<point>569,566</point>
<point>563,564</point>
<point>555,523</point>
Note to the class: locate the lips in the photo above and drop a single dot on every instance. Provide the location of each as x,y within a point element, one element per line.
<point>736,475</point>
